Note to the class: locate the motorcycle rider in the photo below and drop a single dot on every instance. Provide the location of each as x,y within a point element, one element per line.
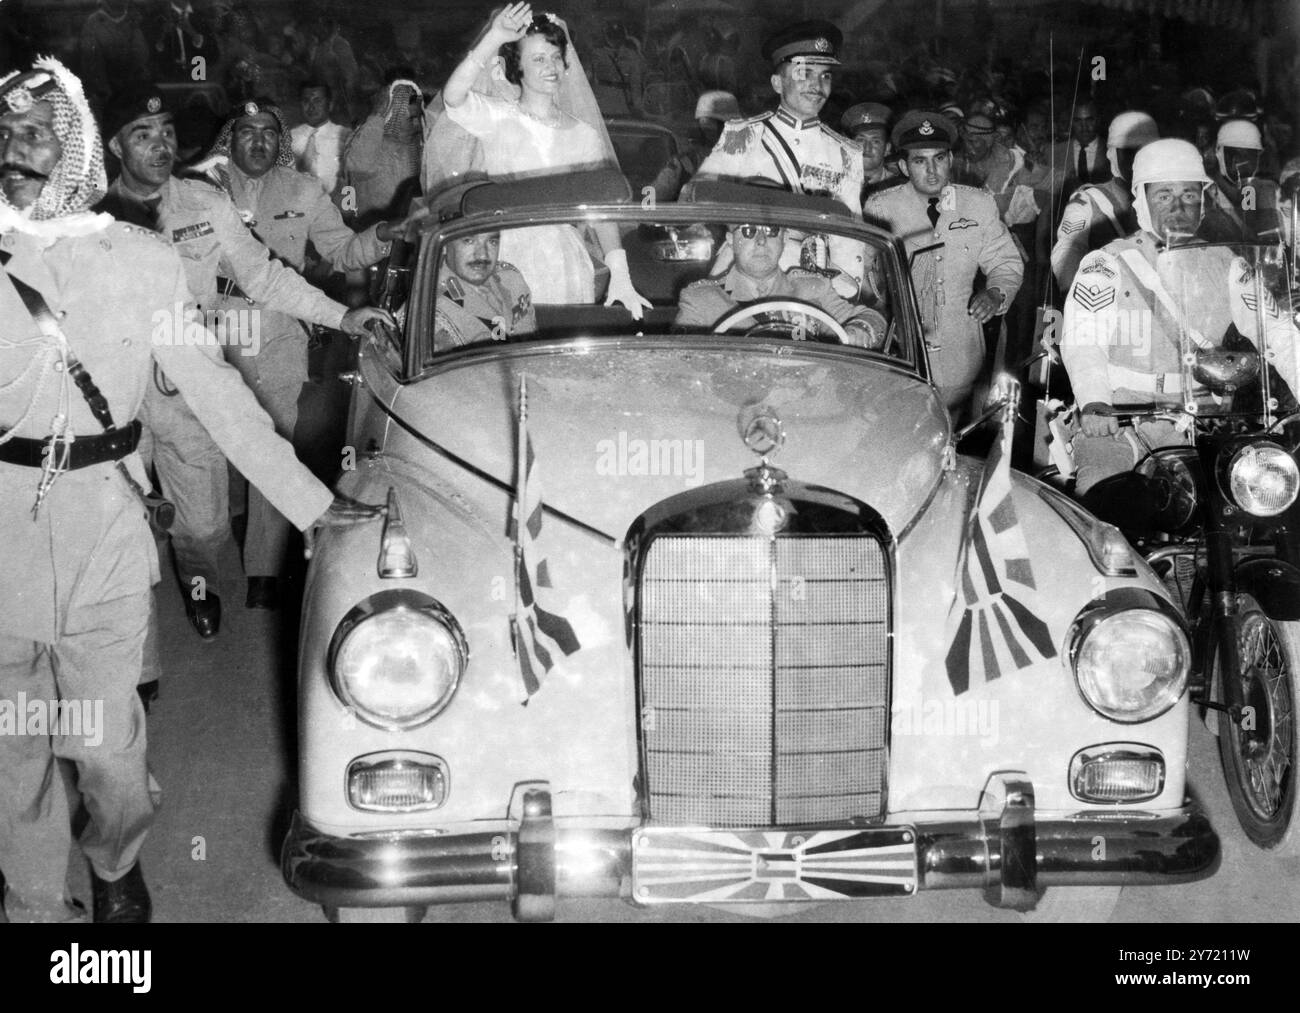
<point>1101,212</point>
<point>1130,301</point>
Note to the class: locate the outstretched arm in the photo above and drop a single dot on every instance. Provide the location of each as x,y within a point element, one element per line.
<point>508,25</point>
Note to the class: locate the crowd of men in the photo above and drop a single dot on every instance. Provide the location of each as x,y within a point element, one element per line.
<point>90,392</point>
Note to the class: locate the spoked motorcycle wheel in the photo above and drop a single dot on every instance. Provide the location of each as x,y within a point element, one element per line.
<point>1260,764</point>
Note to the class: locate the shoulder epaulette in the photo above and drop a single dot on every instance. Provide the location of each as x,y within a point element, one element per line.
<point>201,183</point>
<point>746,121</point>
<point>505,265</point>
<point>140,230</point>
<point>705,282</point>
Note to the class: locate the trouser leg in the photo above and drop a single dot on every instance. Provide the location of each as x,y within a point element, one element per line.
<point>192,474</point>
<point>97,663</point>
<point>34,831</point>
<point>276,376</point>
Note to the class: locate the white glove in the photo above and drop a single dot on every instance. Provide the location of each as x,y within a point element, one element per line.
<point>620,285</point>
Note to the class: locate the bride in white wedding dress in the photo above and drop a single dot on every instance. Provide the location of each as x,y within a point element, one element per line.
<point>520,93</point>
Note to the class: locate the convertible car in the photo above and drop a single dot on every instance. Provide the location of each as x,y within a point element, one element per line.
<point>705,607</point>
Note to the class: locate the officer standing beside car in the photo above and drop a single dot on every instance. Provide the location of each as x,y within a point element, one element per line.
<point>80,297</point>
<point>286,210</point>
<point>961,233</point>
<point>219,252</point>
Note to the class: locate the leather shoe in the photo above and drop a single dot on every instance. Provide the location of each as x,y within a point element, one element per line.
<point>205,615</point>
<point>263,593</point>
<point>123,901</point>
<point>148,692</point>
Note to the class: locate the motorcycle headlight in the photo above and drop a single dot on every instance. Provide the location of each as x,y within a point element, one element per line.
<point>1130,657</point>
<point>397,658</point>
<point>1263,479</point>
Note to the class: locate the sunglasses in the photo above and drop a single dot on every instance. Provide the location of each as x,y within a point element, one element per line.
<point>750,231</point>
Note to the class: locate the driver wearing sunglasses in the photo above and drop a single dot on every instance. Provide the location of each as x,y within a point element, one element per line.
<point>756,275</point>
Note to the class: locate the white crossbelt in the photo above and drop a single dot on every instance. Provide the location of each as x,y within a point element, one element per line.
<point>1147,275</point>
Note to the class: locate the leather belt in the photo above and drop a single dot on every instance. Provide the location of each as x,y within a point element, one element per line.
<point>83,452</point>
<point>227,287</point>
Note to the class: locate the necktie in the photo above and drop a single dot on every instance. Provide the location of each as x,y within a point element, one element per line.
<point>310,154</point>
<point>152,217</point>
<point>1083,164</point>
<point>932,210</point>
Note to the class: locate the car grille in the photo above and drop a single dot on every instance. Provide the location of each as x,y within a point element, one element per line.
<point>764,678</point>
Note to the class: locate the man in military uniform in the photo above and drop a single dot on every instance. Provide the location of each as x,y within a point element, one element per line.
<point>1100,213</point>
<point>286,210</point>
<point>1131,301</point>
<point>790,145</point>
<point>756,275</point>
<point>868,124</point>
<point>80,297</point>
<point>961,233</point>
<point>219,253</point>
<point>479,297</point>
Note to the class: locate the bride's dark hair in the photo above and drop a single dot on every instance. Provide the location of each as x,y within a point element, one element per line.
<point>547,29</point>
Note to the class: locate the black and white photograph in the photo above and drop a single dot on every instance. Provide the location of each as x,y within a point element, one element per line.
<point>655,461</point>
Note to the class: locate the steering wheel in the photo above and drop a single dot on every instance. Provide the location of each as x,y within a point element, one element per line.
<point>785,316</point>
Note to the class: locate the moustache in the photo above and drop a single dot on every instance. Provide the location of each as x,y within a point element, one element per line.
<point>22,170</point>
<point>480,263</point>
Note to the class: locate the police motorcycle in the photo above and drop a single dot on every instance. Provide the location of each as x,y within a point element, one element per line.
<point>1218,518</point>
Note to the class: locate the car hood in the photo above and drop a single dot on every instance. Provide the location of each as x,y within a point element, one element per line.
<point>616,426</point>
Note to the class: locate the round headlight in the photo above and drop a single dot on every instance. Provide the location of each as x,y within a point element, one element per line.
<point>1263,479</point>
<point>398,666</point>
<point>1130,665</point>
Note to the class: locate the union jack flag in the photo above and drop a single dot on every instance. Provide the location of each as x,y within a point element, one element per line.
<point>538,630</point>
<point>993,624</point>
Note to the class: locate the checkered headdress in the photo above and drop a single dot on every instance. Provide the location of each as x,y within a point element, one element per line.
<point>78,181</point>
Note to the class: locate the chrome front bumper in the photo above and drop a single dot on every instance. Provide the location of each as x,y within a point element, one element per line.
<point>1005,851</point>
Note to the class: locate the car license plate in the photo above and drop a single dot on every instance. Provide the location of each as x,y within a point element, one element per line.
<point>675,865</point>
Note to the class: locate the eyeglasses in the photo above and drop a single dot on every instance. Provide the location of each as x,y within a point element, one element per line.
<point>750,231</point>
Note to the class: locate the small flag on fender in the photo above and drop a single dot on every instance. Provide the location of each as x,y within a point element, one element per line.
<point>538,631</point>
<point>993,623</point>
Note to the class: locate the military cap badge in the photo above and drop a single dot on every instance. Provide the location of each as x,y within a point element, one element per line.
<point>926,128</point>
<point>822,45</point>
<point>19,100</point>
<point>154,104</point>
<point>250,109</point>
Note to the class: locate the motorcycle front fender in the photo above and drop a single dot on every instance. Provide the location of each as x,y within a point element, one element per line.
<point>1274,583</point>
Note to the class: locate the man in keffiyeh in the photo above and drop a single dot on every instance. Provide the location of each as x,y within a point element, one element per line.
<point>81,296</point>
<point>382,159</point>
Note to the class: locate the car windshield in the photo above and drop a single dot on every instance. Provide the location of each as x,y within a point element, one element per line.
<point>762,272</point>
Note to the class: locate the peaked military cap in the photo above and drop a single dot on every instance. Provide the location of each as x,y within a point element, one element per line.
<point>133,104</point>
<point>865,115</point>
<point>919,129</point>
<point>815,41</point>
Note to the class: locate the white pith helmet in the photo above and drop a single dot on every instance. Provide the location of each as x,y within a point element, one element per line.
<point>1167,160</point>
<point>1129,130</point>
